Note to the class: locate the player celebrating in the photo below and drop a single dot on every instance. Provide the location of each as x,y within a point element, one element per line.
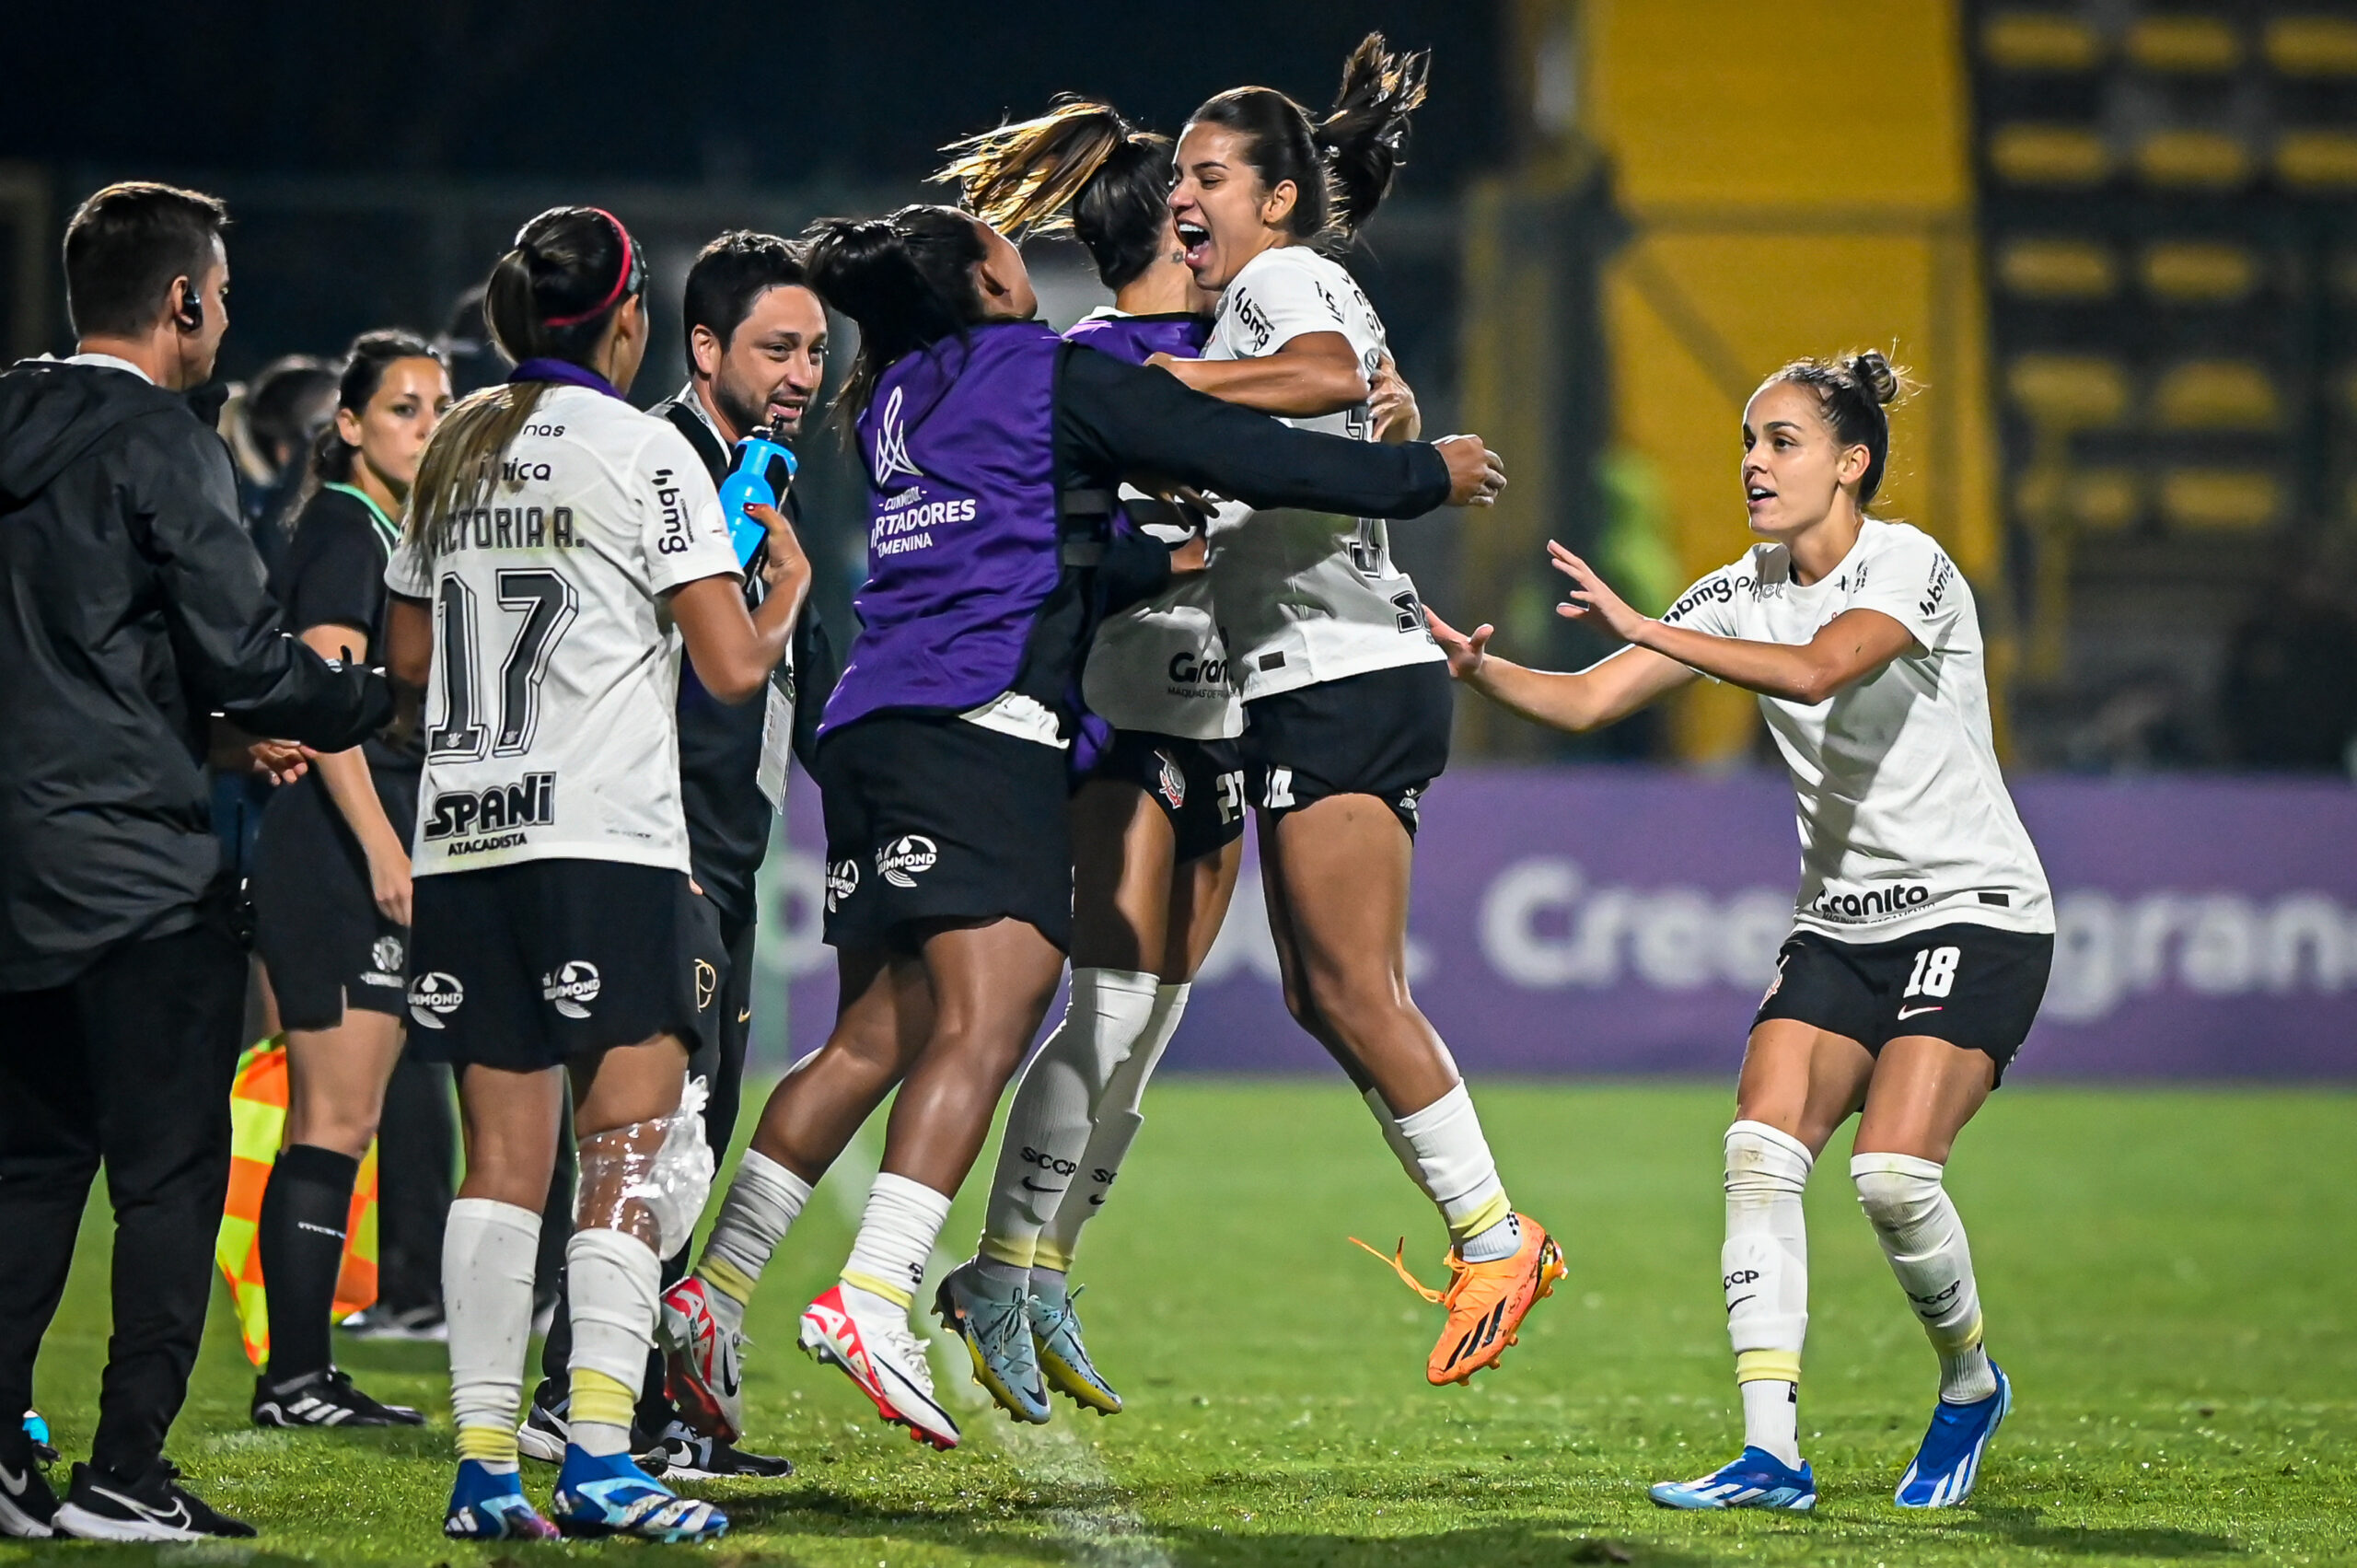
<point>1346,698</point>
<point>559,545</point>
<point>1157,818</point>
<point>1925,931</point>
<point>992,450</point>
<point>331,879</point>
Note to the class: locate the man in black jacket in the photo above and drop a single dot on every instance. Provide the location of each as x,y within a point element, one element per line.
<point>132,611</point>
<point>757,352</point>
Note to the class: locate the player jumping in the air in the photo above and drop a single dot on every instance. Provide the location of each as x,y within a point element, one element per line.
<point>1346,699</point>
<point>1925,931</point>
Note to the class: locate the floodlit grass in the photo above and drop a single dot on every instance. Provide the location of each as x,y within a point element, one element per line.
<point>2168,1278</point>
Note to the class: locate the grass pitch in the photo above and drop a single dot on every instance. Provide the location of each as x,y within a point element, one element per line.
<point>2168,1278</point>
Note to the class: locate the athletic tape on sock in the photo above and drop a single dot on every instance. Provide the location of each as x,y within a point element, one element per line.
<point>764,1199</point>
<point>1451,1161</point>
<point>897,1230</point>
<point>1906,1200</point>
<point>1764,1263</point>
<point>488,1252</point>
<point>614,1282</point>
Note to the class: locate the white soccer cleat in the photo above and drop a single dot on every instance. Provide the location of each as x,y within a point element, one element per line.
<point>879,1353</point>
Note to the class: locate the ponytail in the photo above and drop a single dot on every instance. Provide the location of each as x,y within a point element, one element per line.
<point>1365,136</point>
<point>906,279</point>
<point>364,371</point>
<point>1079,168</point>
<point>549,297</point>
<point>1342,166</point>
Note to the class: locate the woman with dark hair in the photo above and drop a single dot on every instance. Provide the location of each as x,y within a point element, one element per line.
<point>561,547</point>
<point>1346,696</point>
<point>993,451</point>
<point>331,886</point>
<point>1924,929</point>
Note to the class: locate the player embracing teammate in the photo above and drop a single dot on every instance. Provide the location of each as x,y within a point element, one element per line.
<point>1924,932</point>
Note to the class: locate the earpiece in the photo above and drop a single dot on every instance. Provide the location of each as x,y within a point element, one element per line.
<point>190,317</point>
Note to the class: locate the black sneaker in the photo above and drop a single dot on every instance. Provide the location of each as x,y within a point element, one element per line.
<point>546,1431</point>
<point>409,1324</point>
<point>325,1398</point>
<point>27,1504</point>
<point>104,1506</point>
<point>691,1456</point>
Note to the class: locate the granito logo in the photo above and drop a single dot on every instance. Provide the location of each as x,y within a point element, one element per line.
<point>434,997</point>
<point>1170,783</point>
<point>531,803</point>
<point>572,988</point>
<point>1186,669</point>
<point>843,881</point>
<point>1872,904</point>
<point>906,858</point>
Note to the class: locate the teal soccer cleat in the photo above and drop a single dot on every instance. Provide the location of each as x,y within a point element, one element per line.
<point>993,1322</point>
<point>1063,1358</point>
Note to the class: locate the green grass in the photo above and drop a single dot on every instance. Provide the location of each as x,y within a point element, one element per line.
<point>2168,1278</point>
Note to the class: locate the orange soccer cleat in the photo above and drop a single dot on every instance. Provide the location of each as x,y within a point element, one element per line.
<point>1486,1302</point>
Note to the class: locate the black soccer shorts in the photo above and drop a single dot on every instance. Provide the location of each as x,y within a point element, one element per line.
<point>1384,733</point>
<point>1974,986</point>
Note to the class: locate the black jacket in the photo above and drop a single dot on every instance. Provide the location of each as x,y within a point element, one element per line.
<point>720,743</point>
<point>131,607</point>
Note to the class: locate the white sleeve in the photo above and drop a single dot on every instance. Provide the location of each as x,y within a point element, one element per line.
<point>1911,580</point>
<point>407,572</point>
<point>682,531</point>
<point>1709,605</point>
<point>1280,303</point>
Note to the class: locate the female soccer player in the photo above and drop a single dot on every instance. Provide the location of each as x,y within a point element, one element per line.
<point>1925,931</point>
<point>331,879</point>
<point>992,450</point>
<point>1157,815</point>
<point>559,546</point>
<point>1346,697</point>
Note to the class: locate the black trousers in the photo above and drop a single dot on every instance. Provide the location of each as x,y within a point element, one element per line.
<point>720,1062</point>
<point>128,1066</point>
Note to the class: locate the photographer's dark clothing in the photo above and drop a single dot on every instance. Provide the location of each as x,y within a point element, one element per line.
<point>131,607</point>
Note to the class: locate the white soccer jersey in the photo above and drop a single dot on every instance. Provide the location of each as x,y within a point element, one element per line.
<point>1305,597</point>
<point>1905,823</point>
<point>551,725</point>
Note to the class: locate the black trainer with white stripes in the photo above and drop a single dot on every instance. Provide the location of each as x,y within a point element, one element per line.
<point>325,1398</point>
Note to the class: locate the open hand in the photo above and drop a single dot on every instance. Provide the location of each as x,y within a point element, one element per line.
<point>1391,404</point>
<point>283,762</point>
<point>389,884</point>
<point>1476,474</point>
<point>1590,595</point>
<point>1466,655</point>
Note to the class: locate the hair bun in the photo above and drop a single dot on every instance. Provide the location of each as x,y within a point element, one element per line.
<point>1876,375</point>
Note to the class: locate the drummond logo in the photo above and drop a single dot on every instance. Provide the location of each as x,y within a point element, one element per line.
<point>906,858</point>
<point>528,804</point>
<point>1872,904</point>
<point>572,988</point>
<point>843,881</point>
<point>434,997</point>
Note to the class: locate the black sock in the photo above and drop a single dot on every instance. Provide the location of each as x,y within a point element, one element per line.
<point>304,1212</point>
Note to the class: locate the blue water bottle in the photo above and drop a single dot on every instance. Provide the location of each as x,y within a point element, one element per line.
<point>758,473</point>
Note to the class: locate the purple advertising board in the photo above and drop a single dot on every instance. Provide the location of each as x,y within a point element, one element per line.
<point>1625,921</point>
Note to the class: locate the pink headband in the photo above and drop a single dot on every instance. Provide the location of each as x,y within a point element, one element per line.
<point>621,279</point>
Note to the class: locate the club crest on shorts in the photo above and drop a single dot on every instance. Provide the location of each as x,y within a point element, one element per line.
<point>707,983</point>
<point>1170,782</point>
<point>572,988</point>
<point>435,996</point>
<point>843,881</point>
<point>906,858</point>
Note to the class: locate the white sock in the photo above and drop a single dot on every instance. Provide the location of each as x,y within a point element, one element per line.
<point>488,1250</point>
<point>896,1235</point>
<point>762,1204</point>
<point>1921,1235</point>
<point>1048,1126</point>
<point>1764,1269</point>
<point>1451,1160</point>
<point>614,1280</point>
<point>1115,1123</point>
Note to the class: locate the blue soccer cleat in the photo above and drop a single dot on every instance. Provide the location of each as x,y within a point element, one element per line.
<point>488,1506</point>
<point>1755,1480</point>
<point>1064,1356</point>
<point>609,1495</point>
<point>1950,1462</point>
<point>992,1322</point>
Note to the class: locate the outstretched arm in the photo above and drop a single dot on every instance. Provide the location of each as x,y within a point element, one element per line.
<point>1605,692</point>
<point>1314,374</point>
<point>1846,649</point>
